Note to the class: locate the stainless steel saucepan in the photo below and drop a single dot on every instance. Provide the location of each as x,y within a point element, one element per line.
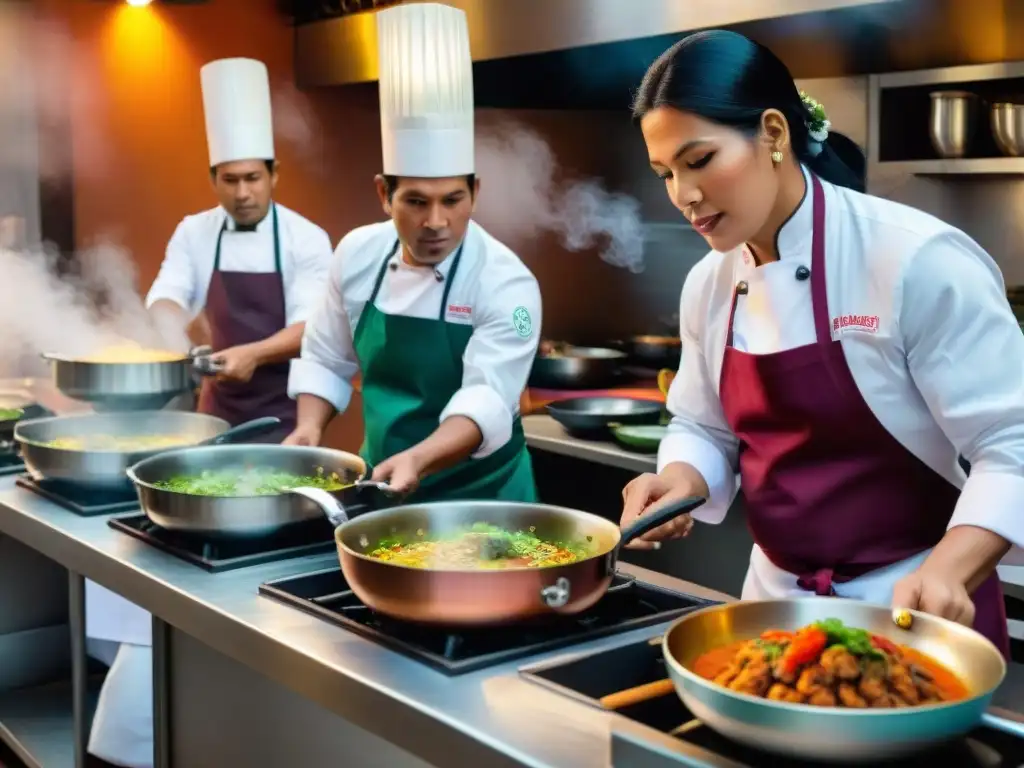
<point>129,386</point>
<point>246,516</point>
<point>107,468</point>
<point>481,597</point>
<point>833,734</point>
<point>564,366</point>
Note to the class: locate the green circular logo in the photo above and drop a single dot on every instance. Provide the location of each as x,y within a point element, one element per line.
<point>522,322</point>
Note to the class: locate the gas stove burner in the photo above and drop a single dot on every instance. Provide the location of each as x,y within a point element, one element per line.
<point>589,678</point>
<point>82,500</point>
<point>216,555</point>
<point>629,604</point>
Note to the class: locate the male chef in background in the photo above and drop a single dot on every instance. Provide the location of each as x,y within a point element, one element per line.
<point>252,267</point>
<point>441,319</point>
<point>256,268</point>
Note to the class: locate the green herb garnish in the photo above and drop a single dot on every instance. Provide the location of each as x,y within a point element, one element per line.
<point>249,482</point>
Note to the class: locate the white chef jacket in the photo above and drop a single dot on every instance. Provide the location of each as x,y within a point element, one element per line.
<point>188,266</point>
<point>490,284</point>
<point>921,313</point>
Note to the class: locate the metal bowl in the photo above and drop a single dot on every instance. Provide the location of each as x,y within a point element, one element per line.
<point>831,733</point>
<point>1008,128</point>
<point>236,516</point>
<point>952,123</point>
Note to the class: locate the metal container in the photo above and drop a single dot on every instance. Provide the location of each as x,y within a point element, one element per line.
<point>236,516</point>
<point>107,469</point>
<point>952,123</point>
<point>831,733</point>
<point>474,597</point>
<point>573,367</point>
<point>1008,128</point>
<point>127,386</point>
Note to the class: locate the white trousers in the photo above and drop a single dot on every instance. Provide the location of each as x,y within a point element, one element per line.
<point>122,729</point>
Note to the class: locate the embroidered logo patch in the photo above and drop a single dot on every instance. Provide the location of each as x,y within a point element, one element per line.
<point>522,322</point>
<point>864,323</point>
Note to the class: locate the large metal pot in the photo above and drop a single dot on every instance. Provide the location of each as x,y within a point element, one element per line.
<point>240,516</point>
<point>1008,128</point>
<point>129,386</point>
<point>108,469</point>
<point>830,733</point>
<point>569,367</point>
<point>481,597</point>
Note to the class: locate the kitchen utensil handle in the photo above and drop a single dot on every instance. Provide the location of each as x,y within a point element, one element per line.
<point>377,486</point>
<point>332,508</point>
<point>243,431</point>
<point>638,695</point>
<point>651,520</point>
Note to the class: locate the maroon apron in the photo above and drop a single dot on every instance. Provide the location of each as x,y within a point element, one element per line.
<point>831,494</point>
<point>246,307</point>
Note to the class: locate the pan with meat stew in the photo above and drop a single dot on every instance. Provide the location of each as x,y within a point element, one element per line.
<point>829,664</point>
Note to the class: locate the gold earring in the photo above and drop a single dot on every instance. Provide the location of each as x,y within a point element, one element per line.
<point>776,157</point>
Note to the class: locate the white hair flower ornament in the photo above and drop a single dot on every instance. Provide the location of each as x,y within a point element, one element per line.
<point>817,122</point>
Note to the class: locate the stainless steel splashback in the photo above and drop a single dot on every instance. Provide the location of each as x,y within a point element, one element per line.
<point>591,54</point>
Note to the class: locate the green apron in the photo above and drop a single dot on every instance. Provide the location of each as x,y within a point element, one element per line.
<point>411,367</point>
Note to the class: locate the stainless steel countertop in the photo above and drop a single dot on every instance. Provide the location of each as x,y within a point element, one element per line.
<point>546,434</point>
<point>491,715</point>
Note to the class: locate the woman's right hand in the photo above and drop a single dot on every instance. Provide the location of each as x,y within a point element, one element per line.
<point>648,493</point>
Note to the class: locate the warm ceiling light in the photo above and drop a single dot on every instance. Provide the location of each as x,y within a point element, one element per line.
<point>138,3</point>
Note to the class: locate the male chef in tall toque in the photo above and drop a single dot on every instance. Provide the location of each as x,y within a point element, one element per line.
<point>440,318</point>
<point>255,269</point>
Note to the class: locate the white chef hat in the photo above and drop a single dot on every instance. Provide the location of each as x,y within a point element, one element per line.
<point>236,101</point>
<point>426,91</point>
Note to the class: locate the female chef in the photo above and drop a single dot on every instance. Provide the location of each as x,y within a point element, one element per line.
<point>840,352</point>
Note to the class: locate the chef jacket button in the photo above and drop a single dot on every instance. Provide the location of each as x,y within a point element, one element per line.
<point>802,272</point>
<point>742,287</point>
<point>438,276</point>
<point>393,266</point>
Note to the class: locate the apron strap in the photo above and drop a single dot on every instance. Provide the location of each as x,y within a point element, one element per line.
<point>450,280</point>
<point>383,271</point>
<point>277,241</point>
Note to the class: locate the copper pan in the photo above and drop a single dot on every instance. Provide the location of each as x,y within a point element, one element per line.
<point>475,597</point>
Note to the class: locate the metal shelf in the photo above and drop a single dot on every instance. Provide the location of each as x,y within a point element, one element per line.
<point>986,166</point>
<point>36,723</point>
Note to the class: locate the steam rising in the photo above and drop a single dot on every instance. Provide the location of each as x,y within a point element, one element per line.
<point>524,197</point>
<point>76,315</point>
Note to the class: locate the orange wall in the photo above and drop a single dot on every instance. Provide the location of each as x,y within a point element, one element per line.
<point>138,139</point>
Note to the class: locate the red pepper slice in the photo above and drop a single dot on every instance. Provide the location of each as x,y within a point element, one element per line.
<point>883,644</point>
<point>807,644</point>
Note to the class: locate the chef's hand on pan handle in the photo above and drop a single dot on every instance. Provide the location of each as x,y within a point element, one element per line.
<point>650,492</point>
<point>401,472</point>
<point>236,363</point>
<point>943,584</point>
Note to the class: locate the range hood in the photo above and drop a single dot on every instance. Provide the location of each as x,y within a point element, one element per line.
<point>591,54</point>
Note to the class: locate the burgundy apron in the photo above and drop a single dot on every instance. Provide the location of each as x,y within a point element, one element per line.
<point>246,307</point>
<point>831,495</point>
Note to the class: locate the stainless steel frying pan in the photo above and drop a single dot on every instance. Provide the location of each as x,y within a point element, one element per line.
<point>107,469</point>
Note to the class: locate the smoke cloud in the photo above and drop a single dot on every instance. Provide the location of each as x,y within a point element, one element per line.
<point>526,196</point>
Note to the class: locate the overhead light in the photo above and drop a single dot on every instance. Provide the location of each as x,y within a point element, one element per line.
<point>138,3</point>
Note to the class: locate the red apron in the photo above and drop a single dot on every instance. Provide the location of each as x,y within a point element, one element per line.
<point>246,307</point>
<point>831,495</point>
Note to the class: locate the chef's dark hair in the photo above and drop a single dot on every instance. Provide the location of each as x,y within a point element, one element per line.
<point>391,184</point>
<point>731,80</point>
<point>269,163</point>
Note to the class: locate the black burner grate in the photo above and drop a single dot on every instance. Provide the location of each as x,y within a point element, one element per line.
<point>84,501</point>
<point>628,605</point>
<point>216,555</point>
